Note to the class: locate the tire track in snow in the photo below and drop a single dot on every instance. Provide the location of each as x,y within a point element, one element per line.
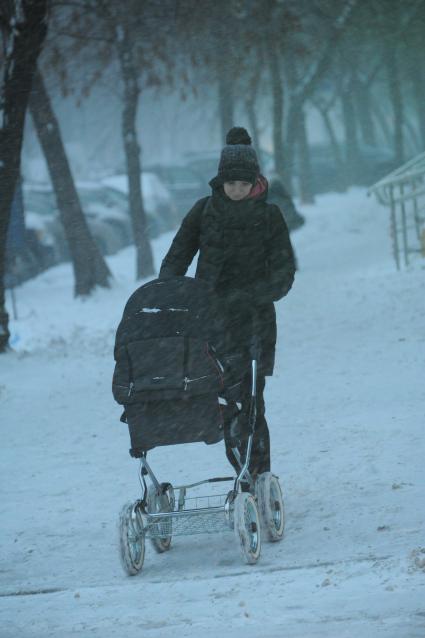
<point>255,571</point>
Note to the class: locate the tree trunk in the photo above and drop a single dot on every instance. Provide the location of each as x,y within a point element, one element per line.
<point>305,86</point>
<point>225,101</point>
<point>25,35</point>
<point>350,131</point>
<point>336,151</point>
<point>250,102</point>
<point>394,88</point>
<point>380,117</point>
<point>254,87</point>
<point>253,123</point>
<point>144,258</point>
<point>412,142</point>
<point>89,266</point>
<point>125,47</point>
<point>306,181</point>
<point>417,79</point>
<point>292,137</point>
<point>364,111</point>
<point>277,113</point>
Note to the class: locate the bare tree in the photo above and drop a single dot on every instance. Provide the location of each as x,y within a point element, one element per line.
<point>309,80</point>
<point>324,106</point>
<point>136,36</point>
<point>125,39</point>
<point>90,268</point>
<point>216,44</point>
<point>24,27</point>
<point>276,77</point>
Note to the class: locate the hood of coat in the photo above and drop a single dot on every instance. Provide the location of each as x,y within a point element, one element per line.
<point>258,192</point>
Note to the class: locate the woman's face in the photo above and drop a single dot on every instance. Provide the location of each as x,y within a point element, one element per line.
<point>237,190</point>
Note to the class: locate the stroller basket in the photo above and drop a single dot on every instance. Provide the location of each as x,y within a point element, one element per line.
<point>208,520</point>
<point>190,515</point>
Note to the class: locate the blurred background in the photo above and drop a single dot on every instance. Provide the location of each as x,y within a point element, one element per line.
<point>129,104</point>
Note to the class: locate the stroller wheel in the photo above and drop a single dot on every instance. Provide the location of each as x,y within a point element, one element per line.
<point>132,538</point>
<point>247,527</point>
<point>162,530</point>
<point>270,505</point>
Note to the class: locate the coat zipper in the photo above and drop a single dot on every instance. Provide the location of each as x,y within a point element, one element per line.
<point>130,374</point>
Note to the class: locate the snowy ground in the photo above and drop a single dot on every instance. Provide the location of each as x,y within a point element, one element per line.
<point>346,413</point>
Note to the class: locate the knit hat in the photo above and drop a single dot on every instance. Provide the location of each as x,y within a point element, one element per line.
<point>238,160</point>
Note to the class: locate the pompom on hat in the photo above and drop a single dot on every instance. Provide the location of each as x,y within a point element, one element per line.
<point>238,160</point>
<point>238,135</point>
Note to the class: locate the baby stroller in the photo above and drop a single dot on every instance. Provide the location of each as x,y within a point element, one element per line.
<point>178,378</point>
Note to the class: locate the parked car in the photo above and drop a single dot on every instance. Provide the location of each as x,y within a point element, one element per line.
<point>157,199</point>
<point>204,164</point>
<point>184,184</point>
<point>374,163</point>
<point>105,212</point>
<point>105,206</point>
<point>29,250</point>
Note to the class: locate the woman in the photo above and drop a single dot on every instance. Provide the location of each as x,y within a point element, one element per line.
<point>244,247</point>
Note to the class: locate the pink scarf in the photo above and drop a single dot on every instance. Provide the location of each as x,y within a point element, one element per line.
<point>259,187</point>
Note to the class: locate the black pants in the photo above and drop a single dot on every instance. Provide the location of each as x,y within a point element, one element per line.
<point>260,454</point>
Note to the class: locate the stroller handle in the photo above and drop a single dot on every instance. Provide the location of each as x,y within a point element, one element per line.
<point>254,345</point>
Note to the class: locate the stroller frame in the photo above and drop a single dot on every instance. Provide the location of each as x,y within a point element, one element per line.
<point>244,473</point>
<point>159,515</point>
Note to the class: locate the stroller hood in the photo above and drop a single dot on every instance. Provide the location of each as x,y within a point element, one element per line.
<point>163,347</point>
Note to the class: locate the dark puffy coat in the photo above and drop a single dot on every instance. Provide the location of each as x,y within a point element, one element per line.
<point>244,246</point>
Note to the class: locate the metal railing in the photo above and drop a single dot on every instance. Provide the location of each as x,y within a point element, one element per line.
<point>403,191</point>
